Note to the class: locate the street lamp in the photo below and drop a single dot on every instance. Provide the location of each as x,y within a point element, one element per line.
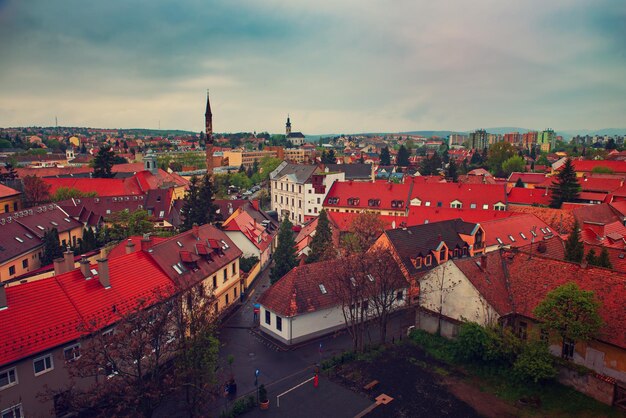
<point>256,383</point>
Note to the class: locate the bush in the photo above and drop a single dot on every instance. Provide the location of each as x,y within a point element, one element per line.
<point>247,263</point>
<point>535,363</point>
<point>435,345</point>
<point>486,345</point>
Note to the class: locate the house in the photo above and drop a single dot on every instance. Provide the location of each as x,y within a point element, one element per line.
<point>305,304</point>
<point>528,179</point>
<point>505,287</point>
<point>522,196</point>
<point>298,191</point>
<point>21,237</point>
<point>601,225</point>
<point>420,248</point>
<point>43,321</point>
<point>356,172</point>
<point>252,231</point>
<point>10,199</point>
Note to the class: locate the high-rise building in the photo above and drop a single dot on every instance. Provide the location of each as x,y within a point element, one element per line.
<point>546,140</point>
<point>479,139</point>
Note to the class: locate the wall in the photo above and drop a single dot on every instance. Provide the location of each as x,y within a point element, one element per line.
<point>33,257</point>
<point>14,204</point>
<point>461,300</point>
<point>588,384</point>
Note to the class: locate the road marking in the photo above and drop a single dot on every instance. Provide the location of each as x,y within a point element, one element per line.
<point>287,391</point>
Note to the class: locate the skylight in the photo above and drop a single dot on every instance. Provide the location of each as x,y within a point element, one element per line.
<point>548,229</point>
<point>67,220</point>
<point>323,289</point>
<point>499,241</point>
<point>54,223</point>
<point>179,244</point>
<point>19,239</point>
<point>224,245</point>
<point>370,277</point>
<point>353,281</point>
<point>543,230</point>
<point>511,238</point>
<point>94,271</point>
<point>28,235</point>
<point>522,235</point>
<point>41,227</point>
<point>177,269</point>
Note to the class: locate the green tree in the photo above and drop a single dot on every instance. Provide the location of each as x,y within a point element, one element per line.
<point>591,258</point>
<point>328,157</point>
<point>403,156</point>
<point>574,248</point>
<point>126,223</point>
<point>103,163</point>
<point>198,207</point>
<point>566,187</point>
<point>51,247</point>
<point>452,172</point>
<point>570,312</point>
<point>322,247</point>
<point>385,157</point>
<point>498,153</point>
<point>519,183</point>
<point>604,260</point>
<point>65,193</point>
<point>600,169</point>
<point>535,363</point>
<point>285,253</point>
<point>430,166</point>
<point>513,164</point>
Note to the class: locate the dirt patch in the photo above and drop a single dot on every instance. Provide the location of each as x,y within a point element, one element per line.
<point>413,379</point>
<point>486,404</point>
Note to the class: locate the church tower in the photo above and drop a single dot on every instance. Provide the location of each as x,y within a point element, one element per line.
<point>208,119</point>
<point>288,126</point>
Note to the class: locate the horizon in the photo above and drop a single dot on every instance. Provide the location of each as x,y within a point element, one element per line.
<point>350,67</point>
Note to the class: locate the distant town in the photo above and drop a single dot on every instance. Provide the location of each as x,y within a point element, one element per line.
<point>144,271</point>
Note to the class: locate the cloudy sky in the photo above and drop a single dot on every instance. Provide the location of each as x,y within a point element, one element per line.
<point>339,66</point>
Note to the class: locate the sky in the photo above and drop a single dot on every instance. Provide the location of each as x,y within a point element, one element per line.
<point>335,66</point>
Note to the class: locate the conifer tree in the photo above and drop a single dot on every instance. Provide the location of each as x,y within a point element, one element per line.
<point>103,163</point>
<point>591,258</point>
<point>452,171</point>
<point>603,259</point>
<point>574,249</point>
<point>566,187</point>
<point>403,156</point>
<point>51,247</point>
<point>385,157</point>
<point>285,253</point>
<point>322,247</point>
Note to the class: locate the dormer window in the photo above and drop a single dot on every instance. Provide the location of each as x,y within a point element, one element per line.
<point>417,262</point>
<point>373,202</point>
<point>399,203</point>
<point>333,200</point>
<point>353,201</point>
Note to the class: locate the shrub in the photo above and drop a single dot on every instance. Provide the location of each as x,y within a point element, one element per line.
<point>478,344</point>
<point>535,363</point>
<point>246,263</point>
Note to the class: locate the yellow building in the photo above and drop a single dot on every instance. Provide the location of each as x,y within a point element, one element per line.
<point>10,199</point>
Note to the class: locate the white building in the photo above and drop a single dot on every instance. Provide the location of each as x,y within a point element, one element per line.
<point>298,190</point>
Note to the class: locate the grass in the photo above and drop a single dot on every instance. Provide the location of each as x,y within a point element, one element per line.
<point>557,400</point>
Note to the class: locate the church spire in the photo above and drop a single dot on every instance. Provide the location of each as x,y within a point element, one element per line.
<point>288,126</point>
<point>208,119</point>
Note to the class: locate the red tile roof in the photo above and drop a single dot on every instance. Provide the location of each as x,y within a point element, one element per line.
<point>422,214</point>
<point>7,191</point>
<point>367,192</point>
<point>618,167</point>
<point>600,184</point>
<point>255,232</point>
<point>520,228</point>
<point>524,196</point>
<point>530,279</point>
<point>527,178</point>
<point>104,187</point>
<point>478,195</point>
<point>49,312</point>
<point>560,220</point>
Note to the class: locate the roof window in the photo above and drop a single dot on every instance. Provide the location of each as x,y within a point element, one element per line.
<point>224,245</point>
<point>333,200</point>
<point>548,229</point>
<point>532,231</point>
<point>179,244</point>
<point>41,227</point>
<point>370,277</point>
<point>28,235</point>
<point>400,203</point>
<point>323,289</point>
<point>353,281</point>
<point>499,241</point>
<point>18,239</point>
<point>522,235</point>
<point>177,269</point>
<point>93,272</point>
<point>353,201</point>
<point>543,230</point>
<point>511,238</point>
<point>54,223</point>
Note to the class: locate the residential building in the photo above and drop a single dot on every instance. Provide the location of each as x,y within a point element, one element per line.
<point>516,231</point>
<point>22,233</point>
<point>381,197</point>
<point>460,196</point>
<point>10,199</point>
<point>252,231</point>
<point>546,140</point>
<point>237,158</point>
<point>479,139</point>
<point>304,304</point>
<point>356,172</point>
<point>504,287</point>
<point>298,191</point>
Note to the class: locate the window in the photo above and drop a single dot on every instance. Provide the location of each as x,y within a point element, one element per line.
<point>8,378</point>
<point>299,189</point>
<point>276,198</point>
<point>365,306</point>
<point>279,323</point>
<point>318,201</point>
<point>71,353</point>
<point>42,364</point>
<point>25,263</point>
<point>485,207</point>
<point>568,348</point>
<point>472,205</point>
<point>110,370</point>
<point>428,260</point>
<point>299,203</point>
<point>226,299</point>
<point>522,330</point>
<point>13,412</point>
<point>499,241</point>
<point>235,293</point>
<point>6,208</point>
<point>234,268</point>
<point>11,270</point>
<point>439,204</point>
<point>400,295</point>
<point>214,282</point>
<point>268,317</point>
<point>225,275</point>
<point>511,238</point>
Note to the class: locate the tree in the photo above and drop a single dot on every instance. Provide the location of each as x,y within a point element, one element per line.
<point>570,312</point>
<point>535,363</point>
<point>591,258</point>
<point>322,247</point>
<point>126,223</point>
<point>403,156</point>
<point>198,207</point>
<point>285,253</point>
<point>36,190</point>
<point>513,164</point>
<point>603,259</point>
<point>430,166</point>
<point>566,187</point>
<point>385,157</point>
<point>328,157</point>
<point>519,183</point>
<point>103,163</point>
<point>498,153</point>
<point>574,248</point>
<point>9,172</point>
<point>452,171</point>
<point>610,144</point>
<point>51,247</point>
<point>600,169</point>
<point>65,193</point>
<point>365,229</point>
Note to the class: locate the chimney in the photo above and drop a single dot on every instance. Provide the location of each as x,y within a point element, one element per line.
<point>59,266</point>
<point>103,272</point>
<point>3,297</point>
<point>255,204</point>
<point>68,256</point>
<point>196,231</point>
<point>84,267</point>
<point>130,246</point>
<point>483,262</point>
<point>146,242</point>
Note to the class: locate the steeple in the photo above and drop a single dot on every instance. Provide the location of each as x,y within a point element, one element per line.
<point>288,126</point>
<point>208,119</point>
